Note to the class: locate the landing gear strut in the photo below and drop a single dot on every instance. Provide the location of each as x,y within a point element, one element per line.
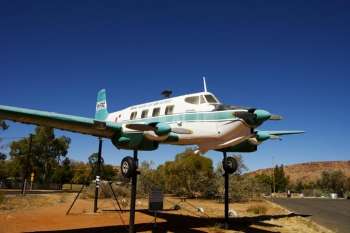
<point>230,166</point>
<point>129,167</point>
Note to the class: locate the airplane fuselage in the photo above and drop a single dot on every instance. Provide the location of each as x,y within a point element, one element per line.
<point>211,128</point>
<point>196,119</point>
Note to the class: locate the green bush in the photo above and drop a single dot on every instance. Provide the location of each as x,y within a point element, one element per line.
<point>257,209</point>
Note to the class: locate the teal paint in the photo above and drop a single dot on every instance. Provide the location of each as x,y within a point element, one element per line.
<point>242,147</point>
<point>101,106</point>
<point>137,141</point>
<point>262,136</point>
<point>188,117</point>
<point>123,140</point>
<point>262,115</point>
<point>162,129</point>
<point>172,138</point>
<point>60,121</point>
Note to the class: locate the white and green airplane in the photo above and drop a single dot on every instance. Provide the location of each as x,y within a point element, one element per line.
<point>198,119</point>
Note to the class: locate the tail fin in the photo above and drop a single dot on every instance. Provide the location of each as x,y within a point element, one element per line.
<point>101,106</point>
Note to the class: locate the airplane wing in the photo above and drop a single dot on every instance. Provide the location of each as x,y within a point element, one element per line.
<point>280,133</point>
<point>264,135</point>
<point>71,123</point>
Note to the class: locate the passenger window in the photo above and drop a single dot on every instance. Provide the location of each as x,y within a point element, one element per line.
<point>133,115</point>
<point>144,114</point>
<point>156,112</point>
<point>169,110</point>
<point>202,100</point>
<point>192,100</point>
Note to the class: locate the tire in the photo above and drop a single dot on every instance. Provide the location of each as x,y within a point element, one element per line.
<point>128,167</point>
<point>230,165</point>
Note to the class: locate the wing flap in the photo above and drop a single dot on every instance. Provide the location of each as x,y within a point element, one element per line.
<point>60,121</point>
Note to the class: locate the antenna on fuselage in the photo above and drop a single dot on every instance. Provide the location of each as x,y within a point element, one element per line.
<point>205,85</point>
<point>167,93</point>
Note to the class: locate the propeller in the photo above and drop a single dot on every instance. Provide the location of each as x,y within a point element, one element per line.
<point>275,137</point>
<point>276,117</point>
<point>140,127</point>
<point>256,116</point>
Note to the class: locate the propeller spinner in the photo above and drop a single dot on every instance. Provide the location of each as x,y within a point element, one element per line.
<point>256,116</point>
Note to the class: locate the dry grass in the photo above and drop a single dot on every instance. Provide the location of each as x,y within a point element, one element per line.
<point>257,209</point>
<point>52,216</point>
<point>14,203</point>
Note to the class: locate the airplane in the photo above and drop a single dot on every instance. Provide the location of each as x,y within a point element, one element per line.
<point>198,119</point>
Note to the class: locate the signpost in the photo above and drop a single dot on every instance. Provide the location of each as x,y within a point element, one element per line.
<point>31,180</point>
<point>155,203</point>
<point>25,173</point>
<point>98,172</point>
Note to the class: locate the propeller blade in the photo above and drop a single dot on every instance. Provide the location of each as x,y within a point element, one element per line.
<point>140,127</point>
<point>276,117</point>
<point>181,131</point>
<point>275,137</point>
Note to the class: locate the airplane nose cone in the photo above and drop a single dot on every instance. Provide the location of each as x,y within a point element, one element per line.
<point>262,115</point>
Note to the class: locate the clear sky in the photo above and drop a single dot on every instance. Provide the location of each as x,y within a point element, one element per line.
<point>291,58</point>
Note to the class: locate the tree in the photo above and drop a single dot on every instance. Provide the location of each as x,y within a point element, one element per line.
<point>3,168</point>
<point>63,173</point>
<point>3,126</point>
<point>45,156</point>
<point>148,177</point>
<point>333,181</point>
<point>299,187</point>
<point>266,181</point>
<point>189,174</point>
<point>93,163</point>
<point>107,171</point>
<point>281,180</point>
<point>81,173</point>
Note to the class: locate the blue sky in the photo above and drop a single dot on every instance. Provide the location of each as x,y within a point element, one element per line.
<point>291,58</point>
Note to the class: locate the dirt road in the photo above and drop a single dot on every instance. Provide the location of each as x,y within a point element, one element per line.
<point>333,214</point>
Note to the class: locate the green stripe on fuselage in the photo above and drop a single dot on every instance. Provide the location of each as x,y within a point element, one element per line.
<point>188,117</point>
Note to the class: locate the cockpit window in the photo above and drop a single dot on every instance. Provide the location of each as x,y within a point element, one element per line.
<point>211,99</point>
<point>192,100</point>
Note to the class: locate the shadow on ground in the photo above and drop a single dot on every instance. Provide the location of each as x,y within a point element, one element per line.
<point>183,223</point>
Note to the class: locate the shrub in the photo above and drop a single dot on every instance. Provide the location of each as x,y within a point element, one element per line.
<point>257,209</point>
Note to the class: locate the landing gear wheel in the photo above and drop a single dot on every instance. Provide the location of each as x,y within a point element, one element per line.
<point>128,167</point>
<point>230,165</point>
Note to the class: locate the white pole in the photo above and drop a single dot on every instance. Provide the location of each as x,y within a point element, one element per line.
<point>205,84</point>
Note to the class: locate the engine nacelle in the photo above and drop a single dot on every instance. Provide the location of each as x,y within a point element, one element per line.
<point>162,129</point>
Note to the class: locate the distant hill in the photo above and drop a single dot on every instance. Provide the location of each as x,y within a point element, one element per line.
<point>310,171</point>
